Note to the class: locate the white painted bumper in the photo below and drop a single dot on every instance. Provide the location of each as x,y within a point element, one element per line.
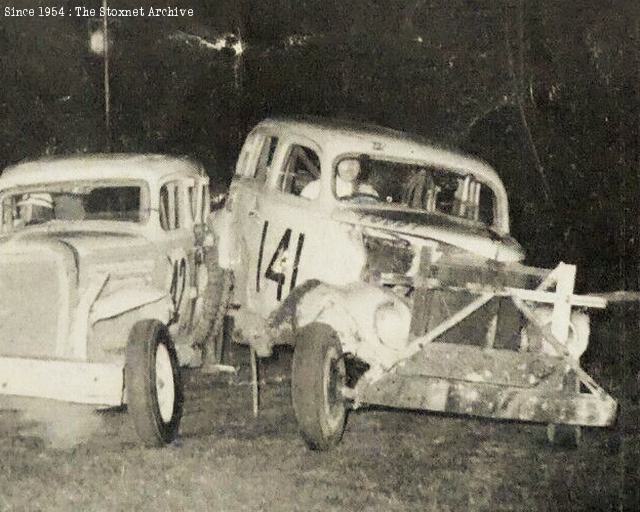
<point>68,381</point>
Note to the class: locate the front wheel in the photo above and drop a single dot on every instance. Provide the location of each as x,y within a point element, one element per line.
<point>152,380</point>
<point>317,379</point>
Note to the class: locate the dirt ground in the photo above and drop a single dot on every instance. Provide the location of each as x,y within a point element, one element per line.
<point>225,459</point>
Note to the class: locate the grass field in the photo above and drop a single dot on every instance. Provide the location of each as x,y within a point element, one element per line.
<point>388,460</point>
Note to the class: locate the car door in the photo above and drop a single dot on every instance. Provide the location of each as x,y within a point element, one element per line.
<point>246,201</point>
<point>180,198</point>
<point>285,219</point>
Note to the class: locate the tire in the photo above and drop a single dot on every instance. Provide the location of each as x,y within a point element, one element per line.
<point>564,436</point>
<point>208,331</point>
<point>153,385</point>
<point>317,373</point>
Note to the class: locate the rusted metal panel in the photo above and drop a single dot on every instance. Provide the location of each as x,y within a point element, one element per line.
<point>471,330</point>
<point>490,400</point>
<point>422,311</point>
<point>476,364</point>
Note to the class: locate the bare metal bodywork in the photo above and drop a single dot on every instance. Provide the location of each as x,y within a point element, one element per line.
<point>73,287</point>
<point>437,307</point>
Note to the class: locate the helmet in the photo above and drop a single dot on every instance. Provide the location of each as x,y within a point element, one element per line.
<point>348,169</point>
<point>37,199</point>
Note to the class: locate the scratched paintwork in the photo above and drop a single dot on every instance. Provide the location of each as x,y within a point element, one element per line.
<point>73,288</point>
<point>420,297</point>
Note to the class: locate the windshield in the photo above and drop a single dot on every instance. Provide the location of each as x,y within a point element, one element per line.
<point>74,201</point>
<point>368,181</point>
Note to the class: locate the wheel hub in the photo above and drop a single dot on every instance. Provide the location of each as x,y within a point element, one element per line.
<point>165,386</point>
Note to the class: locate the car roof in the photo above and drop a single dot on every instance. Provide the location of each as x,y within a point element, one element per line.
<point>338,137</point>
<point>147,167</point>
<point>326,127</point>
<point>349,135</point>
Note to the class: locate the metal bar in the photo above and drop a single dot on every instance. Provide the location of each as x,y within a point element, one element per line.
<point>255,386</point>
<point>107,91</point>
<point>587,301</point>
<point>444,326</point>
<point>617,296</point>
<point>519,268</point>
<point>550,279</point>
<point>562,305</point>
<point>551,297</point>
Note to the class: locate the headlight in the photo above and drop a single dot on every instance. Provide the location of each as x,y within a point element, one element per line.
<point>392,321</point>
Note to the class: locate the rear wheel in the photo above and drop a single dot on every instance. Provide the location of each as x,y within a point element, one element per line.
<point>214,292</point>
<point>566,436</point>
<point>317,379</point>
<point>152,380</point>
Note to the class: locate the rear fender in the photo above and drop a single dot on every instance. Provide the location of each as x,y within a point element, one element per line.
<point>221,226</point>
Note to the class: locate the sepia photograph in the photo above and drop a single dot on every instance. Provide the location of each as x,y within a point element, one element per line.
<point>320,255</point>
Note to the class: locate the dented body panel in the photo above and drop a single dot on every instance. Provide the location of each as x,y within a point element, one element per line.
<point>106,257</point>
<point>418,277</point>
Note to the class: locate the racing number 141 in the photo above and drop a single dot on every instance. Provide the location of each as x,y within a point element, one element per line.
<point>276,266</point>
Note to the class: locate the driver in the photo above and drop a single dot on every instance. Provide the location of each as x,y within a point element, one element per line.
<point>347,183</point>
<point>34,208</point>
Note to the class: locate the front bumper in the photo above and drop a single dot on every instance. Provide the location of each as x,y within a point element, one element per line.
<point>100,384</point>
<point>490,400</point>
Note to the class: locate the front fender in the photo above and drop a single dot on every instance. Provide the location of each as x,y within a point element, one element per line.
<point>126,299</point>
<point>351,311</point>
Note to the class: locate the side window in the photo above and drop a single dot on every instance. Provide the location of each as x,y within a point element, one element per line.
<point>176,206</point>
<point>246,165</point>
<point>265,159</point>
<point>170,206</point>
<point>204,204</point>
<point>9,213</point>
<point>486,206</point>
<point>438,190</point>
<point>192,192</point>
<point>300,171</point>
<point>471,200</point>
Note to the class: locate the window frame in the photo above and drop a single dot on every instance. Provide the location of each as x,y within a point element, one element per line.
<point>285,169</point>
<point>436,167</point>
<point>144,203</point>
<point>266,157</point>
<point>174,215</point>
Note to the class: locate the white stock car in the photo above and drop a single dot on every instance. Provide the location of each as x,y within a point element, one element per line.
<point>104,278</point>
<point>387,262</point>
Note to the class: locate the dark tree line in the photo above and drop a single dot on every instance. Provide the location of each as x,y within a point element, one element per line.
<point>545,91</point>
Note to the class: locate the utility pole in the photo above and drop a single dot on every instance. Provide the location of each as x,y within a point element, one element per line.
<point>107,92</point>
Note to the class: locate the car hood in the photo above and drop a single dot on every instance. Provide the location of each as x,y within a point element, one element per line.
<point>44,273</point>
<point>477,240</point>
<point>89,249</point>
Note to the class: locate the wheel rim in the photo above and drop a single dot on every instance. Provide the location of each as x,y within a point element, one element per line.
<point>334,378</point>
<point>165,386</point>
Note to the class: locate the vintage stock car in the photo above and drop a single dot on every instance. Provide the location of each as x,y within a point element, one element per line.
<point>387,263</point>
<point>104,271</point>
